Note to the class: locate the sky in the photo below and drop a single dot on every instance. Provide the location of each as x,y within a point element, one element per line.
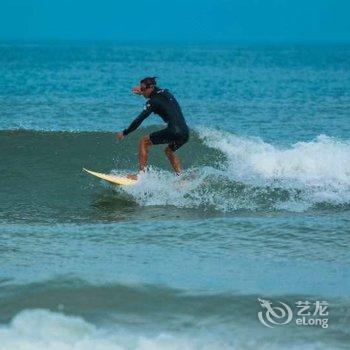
<point>177,20</point>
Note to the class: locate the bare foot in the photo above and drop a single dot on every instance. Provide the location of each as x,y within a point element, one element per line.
<point>131,176</point>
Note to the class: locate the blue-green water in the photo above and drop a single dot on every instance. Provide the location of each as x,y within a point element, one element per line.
<point>262,210</point>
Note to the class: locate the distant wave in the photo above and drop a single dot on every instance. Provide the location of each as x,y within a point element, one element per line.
<point>61,314</point>
<point>42,329</point>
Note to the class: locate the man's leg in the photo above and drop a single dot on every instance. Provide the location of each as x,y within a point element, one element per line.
<point>174,160</point>
<point>144,144</point>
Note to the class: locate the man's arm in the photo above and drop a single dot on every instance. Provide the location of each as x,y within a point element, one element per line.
<point>139,119</point>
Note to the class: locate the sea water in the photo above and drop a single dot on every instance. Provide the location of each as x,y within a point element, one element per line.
<point>261,211</point>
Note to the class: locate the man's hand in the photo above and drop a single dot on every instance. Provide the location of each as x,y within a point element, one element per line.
<point>136,90</point>
<point>119,135</point>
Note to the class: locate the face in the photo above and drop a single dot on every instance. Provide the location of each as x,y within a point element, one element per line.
<point>145,91</point>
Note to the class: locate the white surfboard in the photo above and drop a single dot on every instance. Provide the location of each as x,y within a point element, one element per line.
<point>114,179</point>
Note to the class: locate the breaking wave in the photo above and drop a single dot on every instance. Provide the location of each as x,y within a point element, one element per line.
<point>224,172</point>
<point>255,175</point>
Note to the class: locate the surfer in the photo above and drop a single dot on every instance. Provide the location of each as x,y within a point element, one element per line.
<point>176,134</point>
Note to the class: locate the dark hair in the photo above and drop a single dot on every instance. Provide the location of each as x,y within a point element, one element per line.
<point>148,81</point>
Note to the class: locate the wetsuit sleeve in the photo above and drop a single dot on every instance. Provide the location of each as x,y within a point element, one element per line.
<point>139,119</point>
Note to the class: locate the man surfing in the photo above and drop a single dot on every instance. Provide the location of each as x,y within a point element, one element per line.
<point>176,134</point>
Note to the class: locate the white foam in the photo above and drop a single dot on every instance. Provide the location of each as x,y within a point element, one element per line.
<point>324,161</point>
<point>42,329</point>
<point>191,190</point>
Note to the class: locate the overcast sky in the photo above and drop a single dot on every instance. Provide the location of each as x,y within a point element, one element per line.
<point>177,20</point>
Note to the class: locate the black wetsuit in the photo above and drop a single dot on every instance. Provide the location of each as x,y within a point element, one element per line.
<point>163,103</point>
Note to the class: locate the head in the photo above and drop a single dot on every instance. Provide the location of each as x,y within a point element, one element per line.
<point>147,86</point>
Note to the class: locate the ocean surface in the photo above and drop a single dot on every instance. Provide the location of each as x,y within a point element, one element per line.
<point>262,210</point>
